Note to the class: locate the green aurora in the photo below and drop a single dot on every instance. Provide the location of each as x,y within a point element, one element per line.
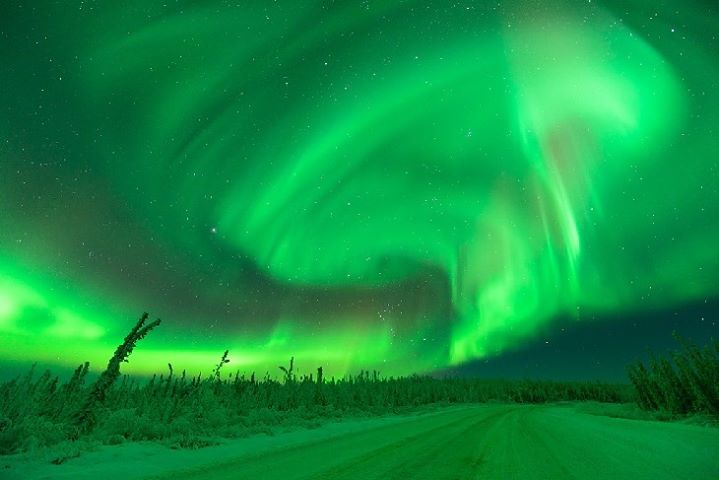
<point>396,185</point>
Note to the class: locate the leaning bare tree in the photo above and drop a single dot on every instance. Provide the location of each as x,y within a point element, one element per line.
<point>85,417</point>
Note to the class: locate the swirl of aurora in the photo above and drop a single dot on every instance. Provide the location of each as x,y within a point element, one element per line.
<point>406,186</point>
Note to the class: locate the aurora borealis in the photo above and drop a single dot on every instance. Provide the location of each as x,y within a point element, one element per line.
<point>398,185</point>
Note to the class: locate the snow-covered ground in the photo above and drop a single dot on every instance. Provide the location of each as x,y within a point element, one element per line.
<point>139,460</point>
<point>483,441</point>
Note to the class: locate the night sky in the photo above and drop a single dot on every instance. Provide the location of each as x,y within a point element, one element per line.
<point>518,188</point>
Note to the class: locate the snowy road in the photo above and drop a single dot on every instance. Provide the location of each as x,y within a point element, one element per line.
<point>464,442</point>
<point>487,442</point>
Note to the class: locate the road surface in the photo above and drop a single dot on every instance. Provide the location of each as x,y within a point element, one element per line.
<point>485,442</point>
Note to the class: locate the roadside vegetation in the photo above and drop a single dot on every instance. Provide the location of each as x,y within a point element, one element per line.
<point>37,410</point>
<point>684,381</point>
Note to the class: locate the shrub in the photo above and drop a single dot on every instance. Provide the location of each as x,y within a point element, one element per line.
<point>685,381</point>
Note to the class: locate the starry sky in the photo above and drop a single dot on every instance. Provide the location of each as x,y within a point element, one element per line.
<point>412,186</point>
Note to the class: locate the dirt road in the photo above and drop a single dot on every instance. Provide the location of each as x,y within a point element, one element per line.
<point>486,442</point>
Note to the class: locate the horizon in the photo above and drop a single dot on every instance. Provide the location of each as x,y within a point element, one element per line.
<point>530,361</point>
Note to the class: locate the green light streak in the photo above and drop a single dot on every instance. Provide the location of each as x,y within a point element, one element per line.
<point>392,187</point>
